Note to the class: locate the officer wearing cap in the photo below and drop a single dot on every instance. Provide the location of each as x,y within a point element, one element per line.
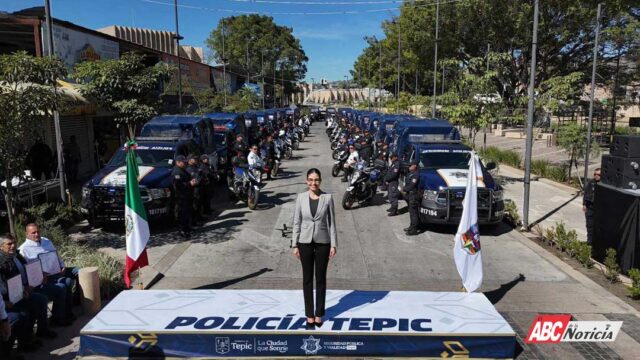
<point>411,187</point>
<point>183,188</point>
<point>391,180</point>
<point>206,182</point>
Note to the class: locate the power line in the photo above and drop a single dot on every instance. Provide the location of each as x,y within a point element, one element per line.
<point>246,12</point>
<point>288,2</point>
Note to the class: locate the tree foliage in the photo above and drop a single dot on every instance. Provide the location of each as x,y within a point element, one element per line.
<point>565,42</point>
<point>127,86</point>
<point>267,44</point>
<point>27,99</point>
<point>573,139</point>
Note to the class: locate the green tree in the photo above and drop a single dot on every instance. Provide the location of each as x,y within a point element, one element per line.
<point>27,99</point>
<point>256,44</point>
<point>471,101</point>
<point>126,86</point>
<point>565,41</point>
<point>573,139</point>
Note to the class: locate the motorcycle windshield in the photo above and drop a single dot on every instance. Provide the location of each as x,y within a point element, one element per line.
<point>239,171</point>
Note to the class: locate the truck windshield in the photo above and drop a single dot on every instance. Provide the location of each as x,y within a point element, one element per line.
<point>444,160</point>
<point>145,157</point>
<point>220,139</point>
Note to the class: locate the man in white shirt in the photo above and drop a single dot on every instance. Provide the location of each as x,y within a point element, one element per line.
<point>254,159</point>
<point>352,160</point>
<point>57,287</point>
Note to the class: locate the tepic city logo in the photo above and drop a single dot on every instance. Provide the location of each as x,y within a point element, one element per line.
<point>560,328</point>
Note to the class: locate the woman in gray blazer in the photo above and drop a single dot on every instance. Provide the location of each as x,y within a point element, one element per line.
<point>314,242</point>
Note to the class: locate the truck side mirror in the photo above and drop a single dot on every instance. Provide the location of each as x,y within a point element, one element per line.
<point>490,165</point>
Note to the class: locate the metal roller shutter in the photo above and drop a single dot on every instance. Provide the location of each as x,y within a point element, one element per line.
<point>82,127</point>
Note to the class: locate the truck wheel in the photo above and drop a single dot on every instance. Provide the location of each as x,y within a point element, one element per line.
<point>347,201</point>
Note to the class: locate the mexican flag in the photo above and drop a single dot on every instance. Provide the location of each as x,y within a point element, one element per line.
<point>135,219</point>
<point>466,246</point>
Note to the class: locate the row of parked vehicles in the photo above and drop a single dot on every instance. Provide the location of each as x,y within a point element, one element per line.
<point>443,164</point>
<point>163,138</point>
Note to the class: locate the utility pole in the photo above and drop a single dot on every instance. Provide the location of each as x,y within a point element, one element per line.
<point>442,85</point>
<point>247,54</point>
<point>224,68</point>
<point>262,74</point>
<point>593,89</point>
<point>178,38</point>
<point>416,89</point>
<point>275,63</point>
<point>530,111</point>
<point>56,114</point>
<point>484,131</point>
<point>398,83</point>
<point>435,62</point>
<point>380,74</point>
<point>282,79</point>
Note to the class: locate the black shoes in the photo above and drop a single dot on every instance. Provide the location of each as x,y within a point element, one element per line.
<point>310,326</point>
<point>319,324</point>
<point>412,232</point>
<point>392,213</point>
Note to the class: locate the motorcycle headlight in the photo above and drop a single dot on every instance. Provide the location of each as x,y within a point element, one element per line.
<point>159,193</point>
<point>86,192</point>
<point>498,195</point>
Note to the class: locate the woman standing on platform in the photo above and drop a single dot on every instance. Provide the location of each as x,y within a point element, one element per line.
<point>314,242</point>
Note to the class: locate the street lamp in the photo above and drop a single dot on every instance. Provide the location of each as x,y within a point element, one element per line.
<point>177,37</point>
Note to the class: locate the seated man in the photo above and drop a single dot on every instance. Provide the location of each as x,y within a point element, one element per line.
<point>14,325</point>
<point>33,304</point>
<point>57,287</point>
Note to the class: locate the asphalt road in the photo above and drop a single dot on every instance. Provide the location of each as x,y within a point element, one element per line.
<point>245,249</point>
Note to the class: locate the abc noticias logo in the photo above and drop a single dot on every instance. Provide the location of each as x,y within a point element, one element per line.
<point>550,329</point>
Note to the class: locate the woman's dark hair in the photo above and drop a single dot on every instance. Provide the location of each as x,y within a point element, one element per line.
<point>314,171</point>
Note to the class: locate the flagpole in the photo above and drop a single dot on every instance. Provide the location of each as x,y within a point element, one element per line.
<point>140,280</point>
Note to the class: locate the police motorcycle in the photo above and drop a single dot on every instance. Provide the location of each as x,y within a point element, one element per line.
<point>363,184</point>
<point>246,185</point>
<point>339,148</point>
<point>306,125</point>
<point>299,131</point>
<point>293,140</point>
<point>332,125</point>
<point>338,164</point>
<point>287,145</point>
<point>271,165</point>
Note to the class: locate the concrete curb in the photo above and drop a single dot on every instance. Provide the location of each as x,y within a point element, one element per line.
<point>527,239</point>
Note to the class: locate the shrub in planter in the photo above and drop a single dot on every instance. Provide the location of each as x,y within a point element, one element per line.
<point>539,167</point>
<point>634,289</point>
<point>511,158</point>
<point>583,254</point>
<point>612,269</point>
<point>511,213</point>
<point>556,173</point>
<point>561,238</point>
<point>549,235</point>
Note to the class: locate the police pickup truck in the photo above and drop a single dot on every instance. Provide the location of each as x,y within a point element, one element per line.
<point>443,163</point>
<point>162,139</point>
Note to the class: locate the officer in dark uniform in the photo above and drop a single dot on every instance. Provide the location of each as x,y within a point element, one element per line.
<point>391,179</point>
<point>194,170</point>
<point>411,187</point>
<point>587,203</point>
<point>205,185</point>
<point>183,189</point>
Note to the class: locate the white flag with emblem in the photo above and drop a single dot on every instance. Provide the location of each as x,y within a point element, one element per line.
<point>466,247</point>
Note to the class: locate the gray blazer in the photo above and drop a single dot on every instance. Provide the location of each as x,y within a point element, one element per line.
<point>320,228</point>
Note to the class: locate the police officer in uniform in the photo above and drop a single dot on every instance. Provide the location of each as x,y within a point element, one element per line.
<point>207,180</point>
<point>194,170</point>
<point>183,189</point>
<point>587,203</point>
<point>391,179</point>
<point>411,186</point>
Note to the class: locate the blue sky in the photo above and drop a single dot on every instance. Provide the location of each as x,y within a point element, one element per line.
<point>332,42</point>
